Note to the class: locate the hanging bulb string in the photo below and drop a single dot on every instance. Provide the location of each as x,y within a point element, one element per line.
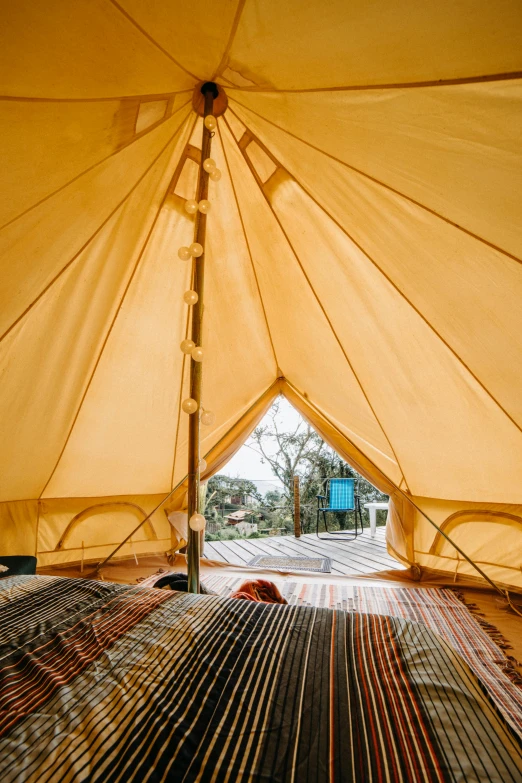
<point>197,249</point>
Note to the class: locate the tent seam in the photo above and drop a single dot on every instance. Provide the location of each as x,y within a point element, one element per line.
<point>109,332</point>
<point>250,408</point>
<point>152,40</point>
<point>384,185</point>
<point>322,309</point>
<point>86,171</point>
<point>100,99</point>
<point>313,405</point>
<point>249,251</point>
<point>391,282</point>
<point>486,78</point>
<point>233,30</point>
<point>96,232</point>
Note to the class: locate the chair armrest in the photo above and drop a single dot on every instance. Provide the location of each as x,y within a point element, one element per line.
<point>321,496</point>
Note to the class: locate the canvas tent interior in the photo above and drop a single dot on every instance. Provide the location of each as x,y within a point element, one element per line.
<point>362,258</point>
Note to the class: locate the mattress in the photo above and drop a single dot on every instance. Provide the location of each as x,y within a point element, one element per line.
<point>105,682</point>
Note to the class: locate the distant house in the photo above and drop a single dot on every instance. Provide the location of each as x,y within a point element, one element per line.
<point>239,520</point>
<point>237,516</point>
<point>241,499</point>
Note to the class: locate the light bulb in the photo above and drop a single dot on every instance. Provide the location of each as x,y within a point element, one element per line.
<point>209,165</point>
<point>196,249</point>
<point>202,465</point>
<point>190,297</point>
<point>197,354</point>
<point>189,405</point>
<point>191,206</point>
<point>210,122</point>
<point>184,253</point>
<point>187,346</point>
<point>204,206</point>
<point>207,418</point>
<point>197,522</point>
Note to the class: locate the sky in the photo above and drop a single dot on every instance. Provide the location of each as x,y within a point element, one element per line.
<point>247,464</point>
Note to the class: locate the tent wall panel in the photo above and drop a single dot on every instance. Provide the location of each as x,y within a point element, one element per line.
<point>294,46</point>
<point>103,523</point>
<point>19,527</point>
<point>453,149</point>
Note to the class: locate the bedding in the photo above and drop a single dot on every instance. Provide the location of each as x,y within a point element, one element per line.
<point>439,608</point>
<point>106,682</point>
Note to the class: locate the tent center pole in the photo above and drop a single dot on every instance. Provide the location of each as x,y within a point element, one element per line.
<point>209,92</point>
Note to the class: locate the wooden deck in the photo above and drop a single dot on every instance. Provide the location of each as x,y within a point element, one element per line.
<point>364,555</point>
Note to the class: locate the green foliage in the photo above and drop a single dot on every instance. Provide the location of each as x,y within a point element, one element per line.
<point>298,453</point>
<point>302,452</point>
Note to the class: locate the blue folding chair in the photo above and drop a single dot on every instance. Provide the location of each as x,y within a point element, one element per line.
<point>341,497</point>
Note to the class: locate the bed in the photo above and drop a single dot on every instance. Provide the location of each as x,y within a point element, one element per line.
<point>106,682</point>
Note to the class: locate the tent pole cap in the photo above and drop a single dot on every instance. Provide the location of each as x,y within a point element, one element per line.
<point>218,93</point>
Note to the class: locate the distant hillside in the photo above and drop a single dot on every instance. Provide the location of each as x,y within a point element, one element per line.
<point>267,486</point>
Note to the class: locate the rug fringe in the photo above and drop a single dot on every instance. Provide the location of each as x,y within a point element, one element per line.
<point>509,664</point>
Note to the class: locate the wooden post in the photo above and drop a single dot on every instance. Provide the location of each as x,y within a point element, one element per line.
<point>297,508</point>
<point>209,91</point>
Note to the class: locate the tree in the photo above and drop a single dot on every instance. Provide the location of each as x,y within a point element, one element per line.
<point>297,454</point>
<point>303,453</point>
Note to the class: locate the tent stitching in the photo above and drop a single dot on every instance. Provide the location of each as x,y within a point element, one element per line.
<point>494,77</point>
<point>101,99</point>
<point>231,37</point>
<point>390,280</point>
<point>248,248</point>
<point>151,39</point>
<point>86,171</point>
<point>323,415</point>
<point>96,232</point>
<point>320,305</point>
<point>384,185</point>
<point>107,336</point>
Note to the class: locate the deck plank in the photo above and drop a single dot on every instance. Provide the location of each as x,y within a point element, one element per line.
<point>364,555</point>
<point>353,553</point>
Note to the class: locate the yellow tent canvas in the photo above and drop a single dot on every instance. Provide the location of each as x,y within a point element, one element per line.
<point>363,258</point>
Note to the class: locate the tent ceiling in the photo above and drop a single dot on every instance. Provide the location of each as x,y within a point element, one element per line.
<point>364,241</point>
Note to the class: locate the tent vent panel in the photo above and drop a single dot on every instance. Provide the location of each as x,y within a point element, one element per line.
<point>150,113</point>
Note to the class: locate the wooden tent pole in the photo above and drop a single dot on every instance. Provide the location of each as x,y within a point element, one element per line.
<point>297,508</point>
<point>209,91</point>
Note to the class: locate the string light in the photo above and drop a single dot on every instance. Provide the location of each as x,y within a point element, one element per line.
<point>189,405</point>
<point>209,164</point>
<point>184,253</point>
<point>190,297</point>
<point>207,418</point>
<point>191,206</point>
<point>187,346</point>
<point>202,465</point>
<point>196,249</point>
<point>197,354</point>
<point>197,522</point>
<point>215,175</point>
<point>204,206</point>
<point>210,122</point>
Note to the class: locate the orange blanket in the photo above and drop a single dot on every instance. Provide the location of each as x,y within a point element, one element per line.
<point>260,591</point>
